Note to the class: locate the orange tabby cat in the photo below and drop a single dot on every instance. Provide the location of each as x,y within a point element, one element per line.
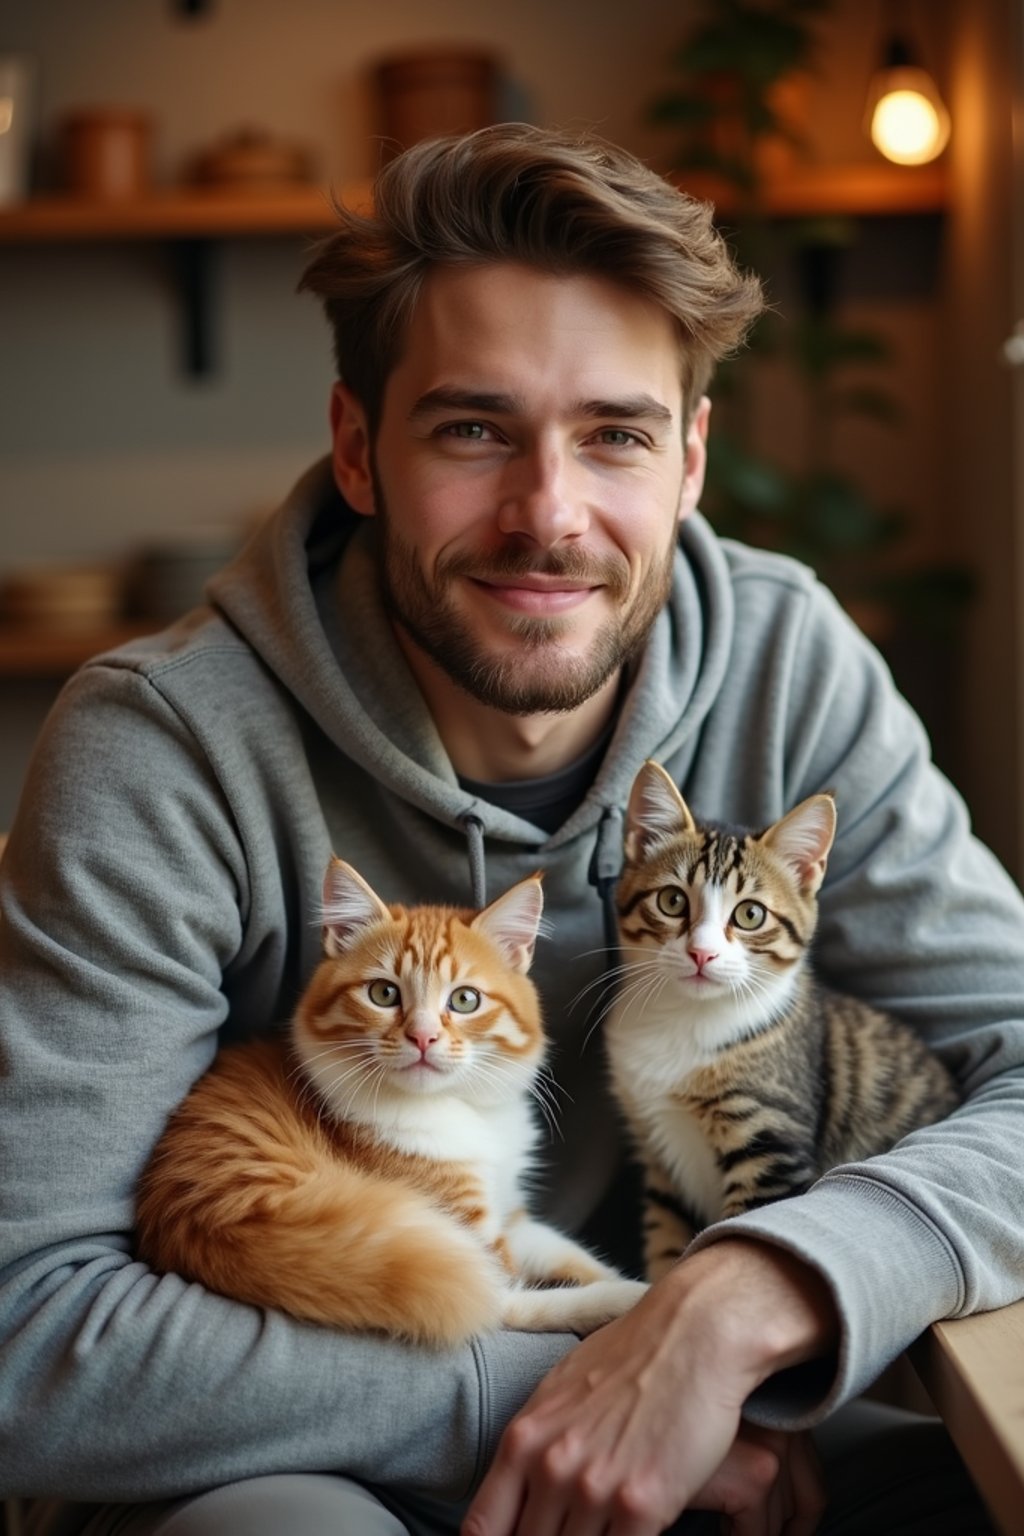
<point>367,1171</point>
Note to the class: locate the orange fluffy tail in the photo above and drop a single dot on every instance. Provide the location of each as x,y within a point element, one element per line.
<point>245,1196</point>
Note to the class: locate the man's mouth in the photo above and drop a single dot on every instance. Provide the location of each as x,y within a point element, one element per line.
<point>537,594</point>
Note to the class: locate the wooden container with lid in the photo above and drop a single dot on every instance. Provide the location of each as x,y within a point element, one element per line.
<point>106,152</point>
<point>427,92</point>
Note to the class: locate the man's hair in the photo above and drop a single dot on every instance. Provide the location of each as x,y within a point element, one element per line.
<point>562,204</point>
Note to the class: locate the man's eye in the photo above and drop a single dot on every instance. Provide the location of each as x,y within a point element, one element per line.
<point>467,431</point>
<point>619,437</point>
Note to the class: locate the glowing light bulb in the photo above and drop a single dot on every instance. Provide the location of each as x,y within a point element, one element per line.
<point>906,118</point>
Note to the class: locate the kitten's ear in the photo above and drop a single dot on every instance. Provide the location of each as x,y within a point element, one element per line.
<point>512,922</point>
<point>348,906</point>
<point>656,809</point>
<point>803,839</point>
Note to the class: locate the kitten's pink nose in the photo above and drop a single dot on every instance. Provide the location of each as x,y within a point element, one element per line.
<point>422,1033</point>
<point>702,957</point>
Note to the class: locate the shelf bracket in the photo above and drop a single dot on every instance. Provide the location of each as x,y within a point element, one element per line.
<point>195,262</point>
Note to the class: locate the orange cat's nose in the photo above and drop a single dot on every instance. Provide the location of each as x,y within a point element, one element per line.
<point>422,1032</point>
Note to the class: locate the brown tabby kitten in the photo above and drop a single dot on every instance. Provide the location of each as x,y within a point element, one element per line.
<point>741,1077</point>
<point>367,1171</point>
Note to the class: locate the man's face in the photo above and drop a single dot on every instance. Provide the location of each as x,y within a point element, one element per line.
<point>529,471</point>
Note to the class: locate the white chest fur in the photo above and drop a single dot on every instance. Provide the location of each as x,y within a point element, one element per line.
<point>651,1059</point>
<point>495,1141</point>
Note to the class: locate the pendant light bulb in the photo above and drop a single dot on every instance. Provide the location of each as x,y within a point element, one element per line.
<point>907,119</point>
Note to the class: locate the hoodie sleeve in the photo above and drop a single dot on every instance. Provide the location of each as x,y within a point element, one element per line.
<point>124,893</point>
<point>917,917</point>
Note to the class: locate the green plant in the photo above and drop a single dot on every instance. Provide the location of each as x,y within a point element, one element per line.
<point>725,103</point>
<point>724,109</point>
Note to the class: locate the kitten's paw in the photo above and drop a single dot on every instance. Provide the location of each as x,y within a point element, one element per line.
<point>579,1309</point>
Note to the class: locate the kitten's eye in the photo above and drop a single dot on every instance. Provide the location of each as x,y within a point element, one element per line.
<point>749,915</point>
<point>464,1000</point>
<point>672,901</point>
<point>384,993</point>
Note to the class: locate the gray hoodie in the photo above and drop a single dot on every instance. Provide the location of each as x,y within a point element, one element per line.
<point>160,894</point>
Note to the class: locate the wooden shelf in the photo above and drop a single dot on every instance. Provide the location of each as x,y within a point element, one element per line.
<point>195,213</point>
<point>29,652</point>
<point>836,191</point>
<point>188,214</point>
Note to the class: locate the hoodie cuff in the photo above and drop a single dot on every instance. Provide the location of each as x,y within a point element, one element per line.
<point>511,1365</point>
<point>891,1273</point>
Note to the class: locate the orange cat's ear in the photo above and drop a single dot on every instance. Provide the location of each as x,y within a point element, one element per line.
<point>656,809</point>
<point>348,906</point>
<point>512,922</point>
<point>803,839</point>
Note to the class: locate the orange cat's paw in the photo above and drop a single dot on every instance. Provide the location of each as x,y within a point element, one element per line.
<point>576,1309</point>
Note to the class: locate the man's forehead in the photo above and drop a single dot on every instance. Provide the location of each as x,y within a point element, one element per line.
<point>495,337</point>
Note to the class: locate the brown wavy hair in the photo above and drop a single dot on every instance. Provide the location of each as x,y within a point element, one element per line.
<point>563,204</point>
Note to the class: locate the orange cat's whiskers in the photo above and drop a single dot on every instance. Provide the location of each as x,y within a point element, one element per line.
<point>488,1075</point>
<point>542,1092</point>
<point>363,1047</point>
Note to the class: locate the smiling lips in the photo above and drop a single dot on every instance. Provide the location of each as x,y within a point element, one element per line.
<point>538,595</point>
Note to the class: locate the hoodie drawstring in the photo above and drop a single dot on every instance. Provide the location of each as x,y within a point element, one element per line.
<point>477,867</point>
<point>604,871</point>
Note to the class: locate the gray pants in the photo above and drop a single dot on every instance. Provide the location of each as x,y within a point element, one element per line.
<point>889,1473</point>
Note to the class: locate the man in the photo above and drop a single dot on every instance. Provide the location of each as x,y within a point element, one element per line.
<point>445,659</point>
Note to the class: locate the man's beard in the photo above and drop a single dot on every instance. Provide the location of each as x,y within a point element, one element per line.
<point>539,675</point>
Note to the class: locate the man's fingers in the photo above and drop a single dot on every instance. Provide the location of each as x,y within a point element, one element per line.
<point>499,1499</point>
<point>807,1486</point>
<point>759,1502</point>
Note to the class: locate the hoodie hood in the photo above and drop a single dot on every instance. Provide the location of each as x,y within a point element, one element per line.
<point>304,594</point>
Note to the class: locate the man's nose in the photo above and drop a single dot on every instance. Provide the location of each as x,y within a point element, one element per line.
<point>543,498</point>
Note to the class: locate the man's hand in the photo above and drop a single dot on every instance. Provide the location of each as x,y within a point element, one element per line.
<point>642,1420</point>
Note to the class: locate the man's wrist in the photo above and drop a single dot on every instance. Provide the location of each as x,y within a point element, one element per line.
<point>761,1308</point>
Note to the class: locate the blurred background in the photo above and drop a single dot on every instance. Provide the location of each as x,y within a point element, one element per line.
<point>165,165</point>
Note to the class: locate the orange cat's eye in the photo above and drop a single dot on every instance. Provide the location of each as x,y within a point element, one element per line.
<point>384,993</point>
<point>464,1000</point>
<point>672,901</point>
<point>749,915</point>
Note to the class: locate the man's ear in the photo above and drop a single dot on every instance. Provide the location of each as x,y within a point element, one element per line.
<point>695,458</point>
<point>350,437</point>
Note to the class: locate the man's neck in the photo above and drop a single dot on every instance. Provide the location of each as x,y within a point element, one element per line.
<point>493,747</point>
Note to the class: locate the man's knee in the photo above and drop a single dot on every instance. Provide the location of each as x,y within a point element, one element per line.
<point>303,1504</point>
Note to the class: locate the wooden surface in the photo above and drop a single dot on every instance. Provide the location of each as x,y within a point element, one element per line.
<point>973,1371</point>
<point>839,190</point>
<point>199,213</point>
<point>185,214</point>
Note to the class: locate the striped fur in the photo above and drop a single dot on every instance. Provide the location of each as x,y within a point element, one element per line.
<point>367,1172</point>
<point>742,1078</point>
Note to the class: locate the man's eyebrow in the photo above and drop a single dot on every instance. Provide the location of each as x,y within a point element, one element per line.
<point>627,408</point>
<point>449,398</point>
